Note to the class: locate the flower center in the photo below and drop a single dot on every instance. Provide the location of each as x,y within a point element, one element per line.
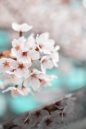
<point>21,66</point>
<point>24,53</point>
<point>37,49</point>
<point>6,64</point>
<point>17,47</point>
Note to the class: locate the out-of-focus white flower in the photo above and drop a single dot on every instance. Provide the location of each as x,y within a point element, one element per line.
<point>37,79</point>
<point>21,70</point>
<point>45,44</point>
<point>46,63</point>
<point>21,27</point>
<point>11,79</point>
<point>18,45</point>
<point>28,56</point>
<point>84,3</point>
<point>6,64</point>
<point>24,50</point>
<point>24,57</point>
<point>51,60</point>
<point>15,91</point>
<point>55,56</point>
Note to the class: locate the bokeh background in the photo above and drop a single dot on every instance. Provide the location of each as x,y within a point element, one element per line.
<point>65,20</point>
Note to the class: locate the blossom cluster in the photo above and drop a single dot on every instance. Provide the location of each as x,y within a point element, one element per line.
<point>28,60</point>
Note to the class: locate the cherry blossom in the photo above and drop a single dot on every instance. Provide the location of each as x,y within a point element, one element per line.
<point>15,91</point>
<point>11,79</point>
<point>6,64</point>
<point>28,56</point>
<point>45,44</point>
<point>23,51</point>
<point>21,27</point>
<point>20,68</point>
<point>55,56</point>
<point>37,79</point>
<point>51,60</point>
<point>17,46</point>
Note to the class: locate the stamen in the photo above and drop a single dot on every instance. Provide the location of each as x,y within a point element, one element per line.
<point>6,64</point>
<point>21,66</point>
<point>24,53</point>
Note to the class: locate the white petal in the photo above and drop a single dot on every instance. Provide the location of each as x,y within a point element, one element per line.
<point>21,27</point>
<point>8,89</point>
<point>57,48</point>
<point>35,83</point>
<point>14,53</point>
<point>34,54</point>
<point>25,27</point>
<point>40,39</point>
<point>46,63</point>
<point>15,26</point>
<point>31,44</point>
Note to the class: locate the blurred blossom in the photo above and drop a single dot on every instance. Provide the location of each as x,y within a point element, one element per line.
<point>84,3</point>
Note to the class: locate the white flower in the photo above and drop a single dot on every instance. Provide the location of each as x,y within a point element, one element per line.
<point>28,56</point>
<point>21,70</point>
<point>21,27</point>
<point>17,46</point>
<point>24,57</point>
<point>51,60</point>
<point>24,50</point>
<point>37,79</point>
<point>15,91</point>
<point>10,78</point>
<point>45,44</point>
<point>55,56</point>
<point>6,65</point>
<point>46,63</point>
